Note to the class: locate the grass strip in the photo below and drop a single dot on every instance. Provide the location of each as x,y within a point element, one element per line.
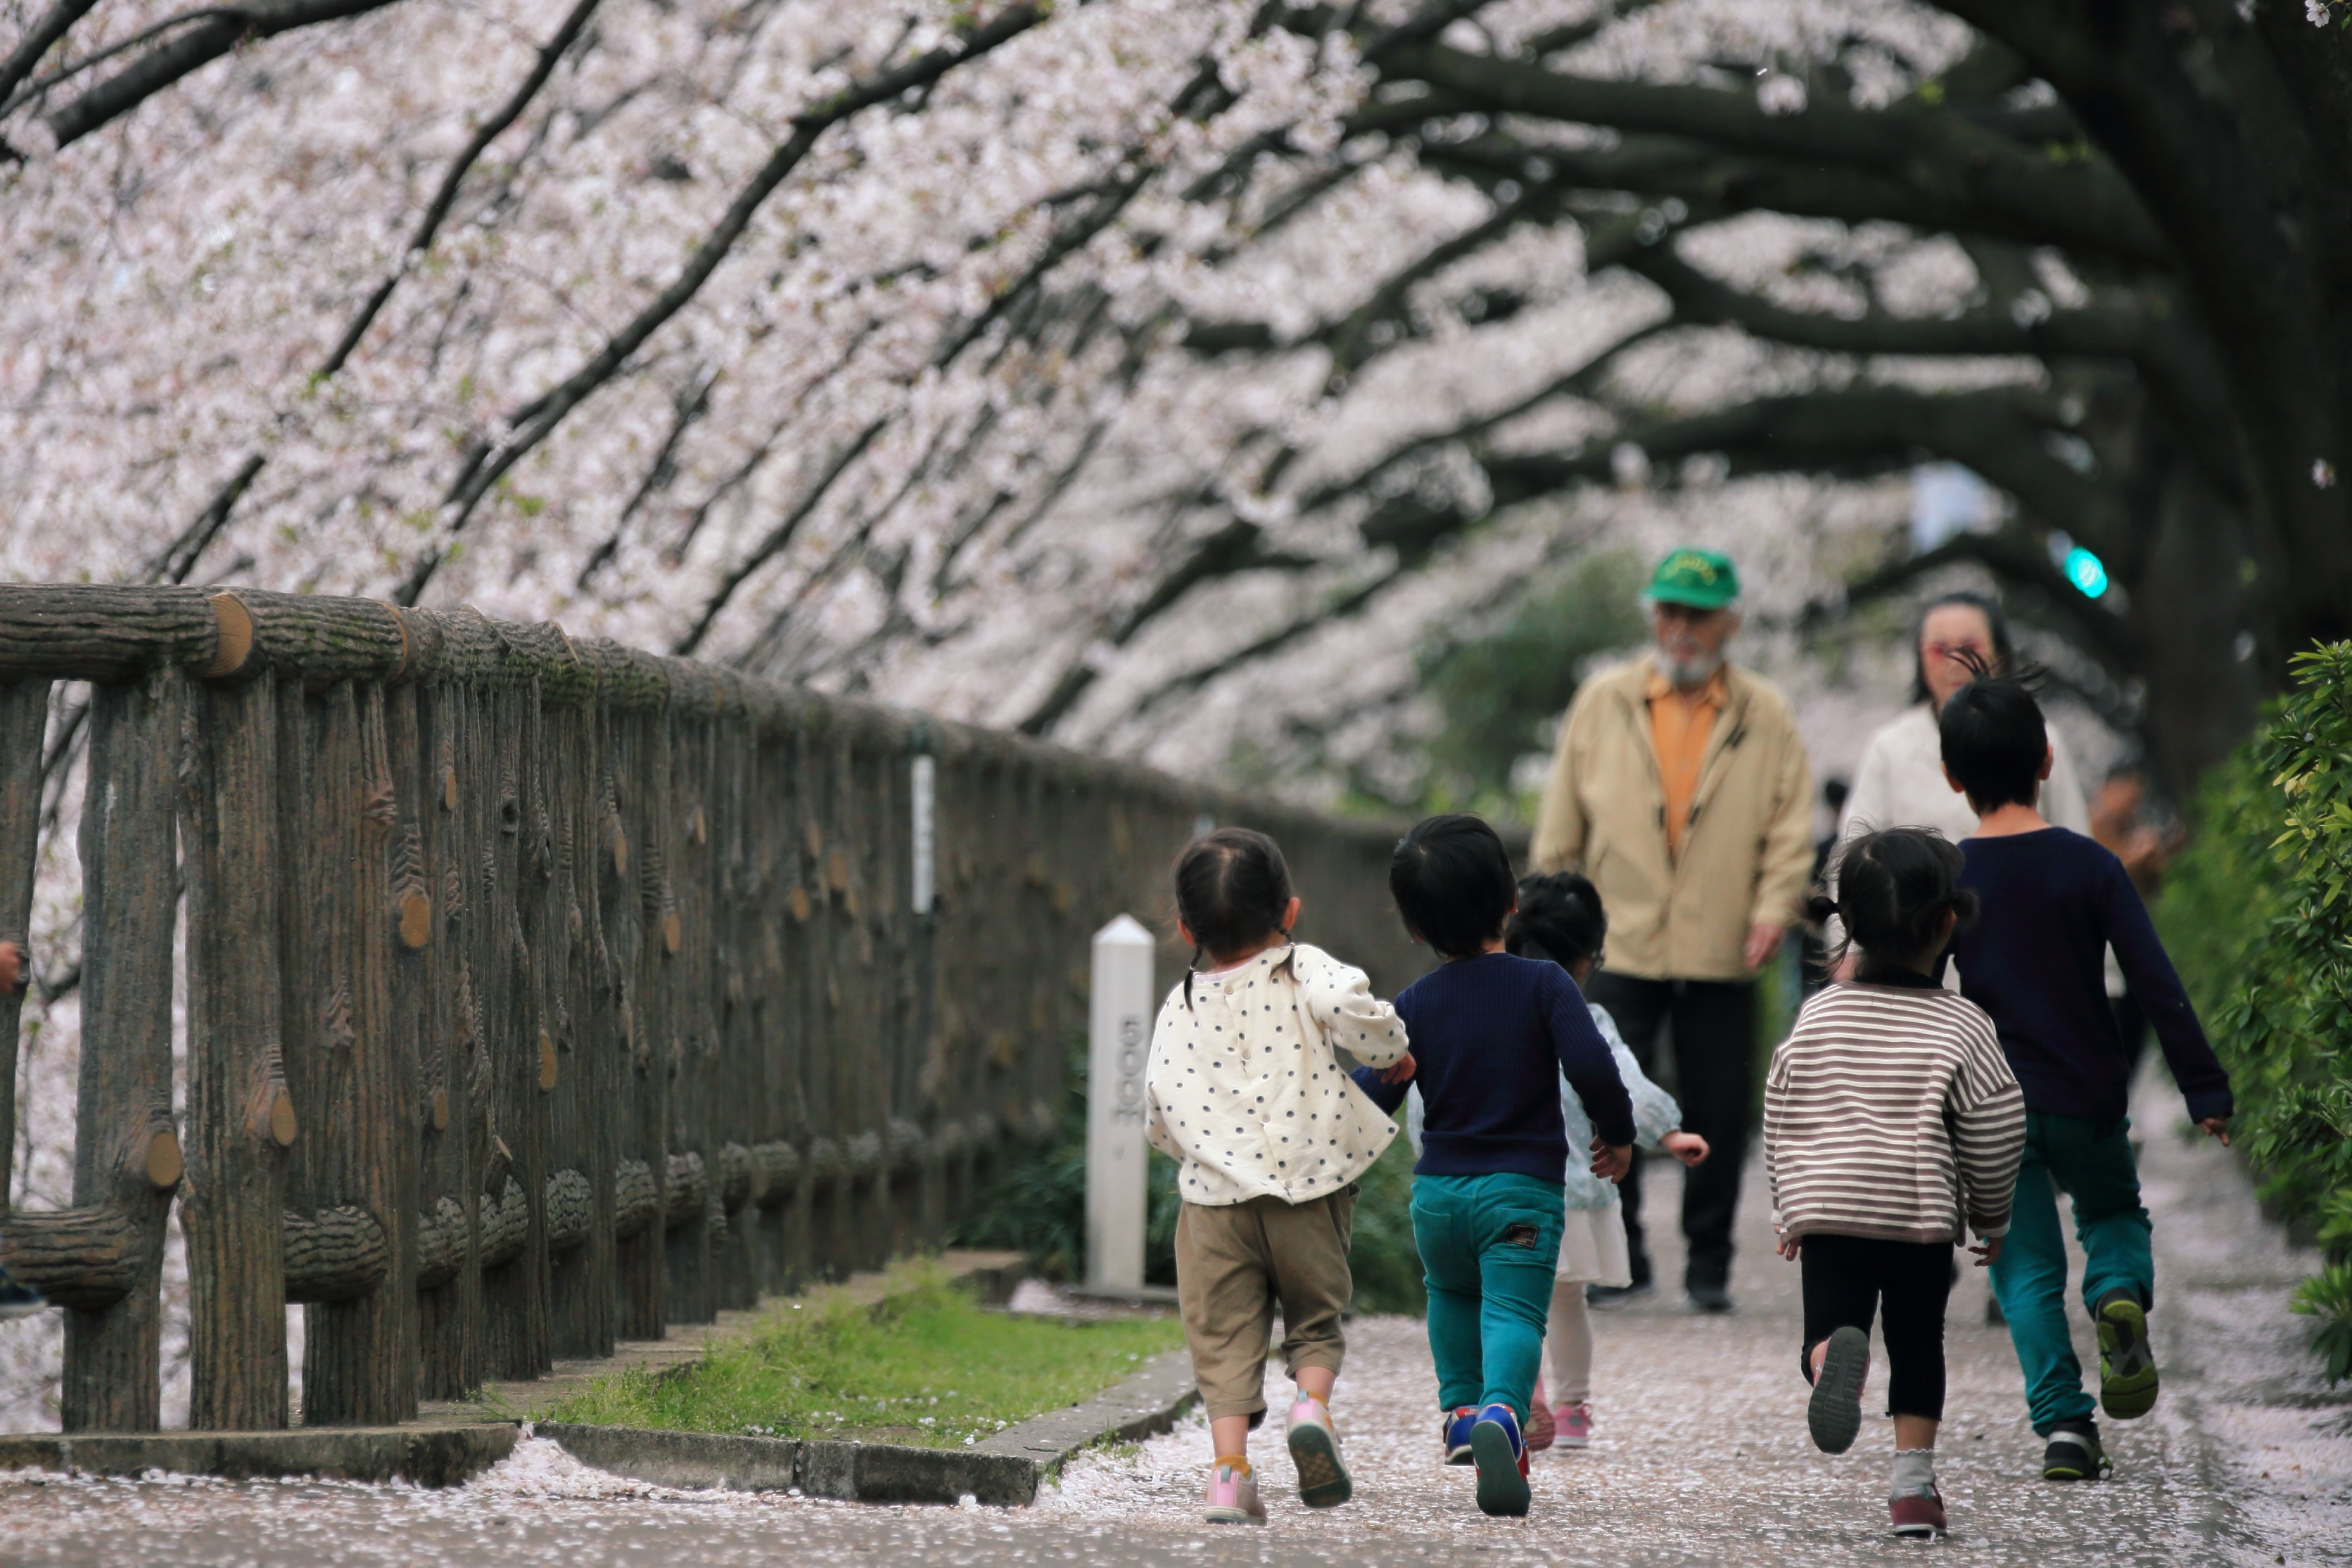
<point>928,1366</point>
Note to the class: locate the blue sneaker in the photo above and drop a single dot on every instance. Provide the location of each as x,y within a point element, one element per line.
<point>1502,1458</point>
<point>1454,1432</point>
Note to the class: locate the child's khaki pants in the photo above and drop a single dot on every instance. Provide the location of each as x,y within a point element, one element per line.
<point>1234,1263</point>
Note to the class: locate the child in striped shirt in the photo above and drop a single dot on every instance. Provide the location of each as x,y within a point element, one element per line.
<point>1891,1126</point>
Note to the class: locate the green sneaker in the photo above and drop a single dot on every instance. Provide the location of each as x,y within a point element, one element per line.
<point>2074,1454</point>
<point>2126,1362</point>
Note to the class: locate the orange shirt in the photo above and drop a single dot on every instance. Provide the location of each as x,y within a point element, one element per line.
<point>1680,724</point>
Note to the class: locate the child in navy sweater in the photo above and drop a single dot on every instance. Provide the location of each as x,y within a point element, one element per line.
<point>1491,1035</point>
<point>2055,903</point>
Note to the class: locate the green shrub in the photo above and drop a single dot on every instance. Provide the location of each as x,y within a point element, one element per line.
<point>1036,1204</point>
<point>2257,913</point>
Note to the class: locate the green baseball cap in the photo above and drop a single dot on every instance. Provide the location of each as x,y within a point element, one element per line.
<point>1701,579</point>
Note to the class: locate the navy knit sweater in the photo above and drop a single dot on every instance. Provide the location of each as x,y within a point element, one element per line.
<point>2053,902</point>
<point>1491,1035</point>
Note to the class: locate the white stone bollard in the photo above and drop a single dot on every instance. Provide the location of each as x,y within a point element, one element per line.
<point>1119,1041</point>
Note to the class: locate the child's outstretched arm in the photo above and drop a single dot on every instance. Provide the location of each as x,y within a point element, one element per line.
<point>2204,1082</point>
<point>1341,1001</point>
<point>1586,1062</point>
<point>1655,1114</point>
<point>1986,1111</point>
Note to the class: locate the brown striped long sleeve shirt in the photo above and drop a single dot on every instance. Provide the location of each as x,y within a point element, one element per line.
<point>1890,1112</point>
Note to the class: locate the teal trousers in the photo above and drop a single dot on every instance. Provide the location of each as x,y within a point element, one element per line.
<point>1488,1245</point>
<point>2091,1162</point>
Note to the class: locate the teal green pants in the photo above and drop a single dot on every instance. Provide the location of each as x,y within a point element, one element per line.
<point>1488,1245</point>
<point>2091,1162</point>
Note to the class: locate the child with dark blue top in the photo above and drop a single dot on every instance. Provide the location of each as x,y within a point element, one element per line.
<point>1492,1034</point>
<point>2053,903</point>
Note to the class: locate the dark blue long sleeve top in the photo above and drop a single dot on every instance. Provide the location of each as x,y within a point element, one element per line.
<point>2053,902</point>
<point>1491,1035</point>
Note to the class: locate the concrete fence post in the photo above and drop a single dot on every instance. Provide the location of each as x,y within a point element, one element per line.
<point>1119,1041</point>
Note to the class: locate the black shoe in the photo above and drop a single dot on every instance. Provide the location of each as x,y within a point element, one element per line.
<point>1712,1300</point>
<point>16,1299</point>
<point>2074,1454</point>
<point>1993,1317</point>
<point>1608,1297</point>
<point>1833,1414</point>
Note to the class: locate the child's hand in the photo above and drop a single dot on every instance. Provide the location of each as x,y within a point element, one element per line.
<point>1611,1161</point>
<point>2213,1127</point>
<point>1790,1246</point>
<point>1401,1071</point>
<point>1988,1251</point>
<point>1688,1147</point>
<point>15,975</point>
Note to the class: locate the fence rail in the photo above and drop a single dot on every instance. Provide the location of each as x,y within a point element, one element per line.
<point>539,991</point>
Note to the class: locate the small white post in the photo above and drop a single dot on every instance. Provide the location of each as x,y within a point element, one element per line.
<point>925,790</point>
<point>1119,1040</point>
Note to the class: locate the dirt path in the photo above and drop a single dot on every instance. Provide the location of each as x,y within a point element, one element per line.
<point>1701,1458</point>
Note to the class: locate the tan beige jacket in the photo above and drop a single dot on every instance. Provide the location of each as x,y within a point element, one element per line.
<point>1748,849</point>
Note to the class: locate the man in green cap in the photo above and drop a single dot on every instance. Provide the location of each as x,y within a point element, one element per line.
<point>1679,786</point>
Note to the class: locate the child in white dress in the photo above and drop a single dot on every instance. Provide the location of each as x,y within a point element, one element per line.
<point>1559,917</point>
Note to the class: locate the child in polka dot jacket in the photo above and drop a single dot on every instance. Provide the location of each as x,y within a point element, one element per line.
<point>1247,1094</point>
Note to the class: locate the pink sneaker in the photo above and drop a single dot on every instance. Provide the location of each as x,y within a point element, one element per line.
<point>1233,1496</point>
<point>1575,1425</point>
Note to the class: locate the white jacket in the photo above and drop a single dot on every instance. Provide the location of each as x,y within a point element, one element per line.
<point>1901,784</point>
<point>1246,1090</point>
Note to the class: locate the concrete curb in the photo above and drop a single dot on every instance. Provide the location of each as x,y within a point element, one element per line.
<point>436,1457</point>
<point>1005,1471</point>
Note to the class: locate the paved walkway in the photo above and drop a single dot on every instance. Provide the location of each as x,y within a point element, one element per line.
<point>1702,1457</point>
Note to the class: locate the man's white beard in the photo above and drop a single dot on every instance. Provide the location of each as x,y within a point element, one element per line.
<point>1683,673</point>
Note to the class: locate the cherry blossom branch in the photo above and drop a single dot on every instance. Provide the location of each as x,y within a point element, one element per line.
<point>486,462</point>
<point>179,559</point>
<point>216,32</point>
<point>37,41</point>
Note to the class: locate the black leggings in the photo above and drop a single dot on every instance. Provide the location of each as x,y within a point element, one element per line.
<point>1846,1275</point>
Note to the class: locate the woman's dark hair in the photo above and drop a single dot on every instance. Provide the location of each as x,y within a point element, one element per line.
<point>1231,889</point>
<point>1994,739</point>
<point>1894,887</point>
<point>1559,918</point>
<point>1451,878</point>
<point>2004,652</point>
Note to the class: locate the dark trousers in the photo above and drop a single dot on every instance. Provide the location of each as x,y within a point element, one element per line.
<point>1715,1083</point>
<point>1846,1280</point>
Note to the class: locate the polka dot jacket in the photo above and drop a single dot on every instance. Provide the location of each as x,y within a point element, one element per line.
<point>1246,1092</point>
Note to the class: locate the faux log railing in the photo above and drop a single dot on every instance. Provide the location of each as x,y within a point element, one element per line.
<point>539,991</point>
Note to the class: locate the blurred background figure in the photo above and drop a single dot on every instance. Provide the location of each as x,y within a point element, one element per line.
<point>1901,781</point>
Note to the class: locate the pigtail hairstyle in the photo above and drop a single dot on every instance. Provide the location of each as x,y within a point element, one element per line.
<point>1232,888</point>
<point>1559,917</point>
<point>1895,887</point>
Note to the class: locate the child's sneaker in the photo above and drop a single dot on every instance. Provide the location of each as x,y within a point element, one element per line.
<point>1233,1495</point>
<point>1921,1514</point>
<point>1315,1449</point>
<point>1542,1427</point>
<point>2074,1453</point>
<point>1453,1435</point>
<point>1502,1458</point>
<point>1835,1412</point>
<point>18,1299</point>
<point>2126,1361</point>
<point>1574,1424</point>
